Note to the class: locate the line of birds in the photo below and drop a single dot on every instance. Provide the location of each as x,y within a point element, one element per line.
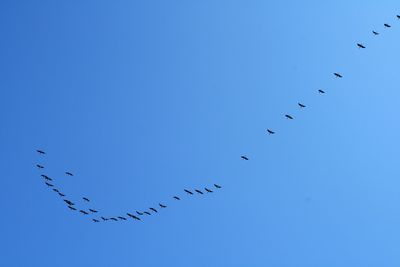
<point>136,216</point>
<point>320,91</point>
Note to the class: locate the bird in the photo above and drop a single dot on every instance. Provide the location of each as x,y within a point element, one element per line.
<point>112,218</point>
<point>198,191</point>
<point>48,184</point>
<point>177,198</point>
<point>122,218</point>
<point>56,190</point>
<point>104,219</point>
<point>289,117</point>
<point>146,212</point>
<point>321,91</point>
<point>375,33</point>
<point>162,206</point>
<point>217,186</point>
<point>68,202</point>
<point>39,166</point>
<point>68,173</point>
<point>133,216</point>
<point>301,105</point>
<point>270,131</point>
<point>153,209</point>
<point>338,75</point>
<point>187,191</point>
<point>387,25</point>
<point>208,190</point>
<point>244,157</point>
<point>47,177</point>
<point>398,16</point>
<point>139,213</point>
<point>40,151</point>
<point>83,212</point>
<point>72,208</point>
<point>86,199</point>
<point>61,194</point>
<point>95,220</point>
<point>92,210</point>
<point>360,45</point>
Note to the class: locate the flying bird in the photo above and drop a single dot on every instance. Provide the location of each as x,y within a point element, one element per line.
<point>387,25</point>
<point>133,216</point>
<point>56,190</point>
<point>139,213</point>
<point>72,208</point>
<point>153,209</point>
<point>68,202</point>
<point>177,198</point>
<point>46,177</point>
<point>40,151</point>
<point>270,131</point>
<point>146,212</point>
<point>104,219</point>
<point>360,45</point>
<point>375,33</point>
<point>217,186</point>
<point>289,117</point>
<point>208,190</point>
<point>48,184</point>
<point>112,218</point>
<point>92,210</point>
<point>68,173</point>
<point>198,191</point>
<point>321,91</point>
<point>39,166</point>
<point>244,157</point>
<point>122,218</point>
<point>398,17</point>
<point>162,206</point>
<point>301,105</point>
<point>95,220</point>
<point>83,212</point>
<point>86,199</point>
<point>338,75</point>
<point>187,191</point>
<point>61,194</point>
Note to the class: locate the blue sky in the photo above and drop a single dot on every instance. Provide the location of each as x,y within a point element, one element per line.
<point>141,99</point>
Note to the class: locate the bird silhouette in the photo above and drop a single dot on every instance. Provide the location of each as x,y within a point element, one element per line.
<point>72,208</point>
<point>270,131</point>
<point>68,173</point>
<point>104,219</point>
<point>244,157</point>
<point>301,105</point>
<point>86,199</point>
<point>133,216</point>
<point>95,220</point>
<point>187,191</point>
<point>198,191</point>
<point>56,190</point>
<point>177,198</point>
<point>375,33</point>
<point>69,202</point>
<point>40,151</point>
<point>321,91</point>
<point>387,25</point>
<point>61,194</point>
<point>208,190</point>
<point>139,213</point>
<point>217,186</point>
<point>39,166</point>
<point>92,210</point>
<point>83,212</point>
<point>146,212</point>
<point>289,117</point>
<point>162,206</point>
<point>153,209</point>
<point>338,75</point>
<point>46,177</point>
<point>112,218</point>
<point>360,45</point>
<point>398,16</point>
<point>122,218</point>
<point>48,184</point>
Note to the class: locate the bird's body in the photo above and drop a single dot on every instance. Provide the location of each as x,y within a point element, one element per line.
<point>69,202</point>
<point>39,166</point>
<point>104,219</point>
<point>244,157</point>
<point>398,16</point>
<point>360,45</point>
<point>40,151</point>
<point>198,191</point>
<point>270,131</point>
<point>139,213</point>
<point>153,209</point>
<point>208,190</point>
<point>162,206</point>
<point>375,33</point>
<point>92,210</point>
<point>46,177</point>
<point>301,105</point>
<point>289,117</point>
<point>133,216</point>
<point>86,199</point>
<point>217,186</point>
<point>387,25</point>
<point>114,219</point>
<point>177,198</point>
<point>61,194</point>
<point>70,207</point>
<point>189,192</point>
<point>95,220</point>
<point>48,184</point>
<point>338,75</point>
<point>122,218</point>
<point>56,190</point>
<point>68,173</point>
<point>321,91</point>
<point>83,212</point>
<point>146,212</point>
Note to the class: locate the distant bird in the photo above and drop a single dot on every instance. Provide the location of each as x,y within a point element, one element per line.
<point>153,209</point>
<point>208,190</point>
<point>375,33</point>
<point>86,199</point>
<point>162,206</point>
<point>360,45</point>
<point>46,177</point>
<point>301,105</point>
<point>48,184</point>
<point>92,210</point>
<point>146,212</point>
<point>39,166</point>
<point>61,194</point>
<point>83,212</point>
<point>69,202</point>
<point>321,91</point>
<point>398,16</point>
<point>387,25</point>
<point>112,218</point>
<point>187,191</point>
<point>72,208</point>
<point>104,219</point>
<point>244,157</point>
<point>68,173</point>
<point>198,191</point>
<point>338,75</point>
<point>122,218</point>
<point>133,216</point>
<point>177,198</point>
<point>217,186</point>
<point>56,190</point>
<point>139,213</point>
<point>41,152</point>
<point>270,131</point>
<point>289,117</point>
<point>95,220</point>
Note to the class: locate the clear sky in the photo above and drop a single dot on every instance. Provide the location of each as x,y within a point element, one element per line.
<point>142,99</point>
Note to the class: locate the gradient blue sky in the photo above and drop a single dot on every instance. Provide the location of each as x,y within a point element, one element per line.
<point>141,99</point>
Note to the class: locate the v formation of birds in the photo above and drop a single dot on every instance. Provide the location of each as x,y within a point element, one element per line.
<point>138,215</point>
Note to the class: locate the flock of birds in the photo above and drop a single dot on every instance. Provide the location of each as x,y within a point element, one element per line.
<point>137,215</point>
